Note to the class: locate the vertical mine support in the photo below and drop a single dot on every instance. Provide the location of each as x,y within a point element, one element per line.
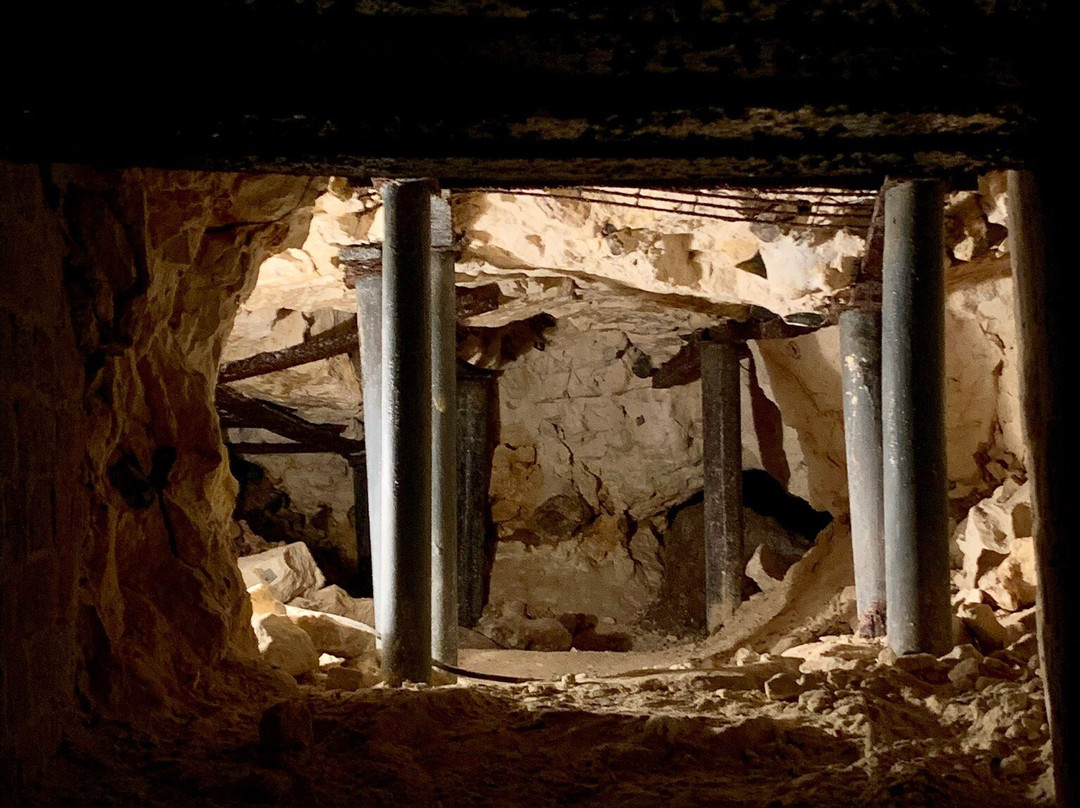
<point>369,295</point>
<point>1038,235</point>
<point>364,565</point>
<point>919,614</point>
<point>722,425</point>
<point>406,431</point>
<point>860,360</point>
<point>444,467</point>
<point>474,441</point>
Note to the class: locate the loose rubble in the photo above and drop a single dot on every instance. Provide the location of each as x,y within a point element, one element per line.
<point>287,571</point>
<point>325,636</point>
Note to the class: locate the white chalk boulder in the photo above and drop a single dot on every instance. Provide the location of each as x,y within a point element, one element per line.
<point>288,572</point>
<point>284,645</point>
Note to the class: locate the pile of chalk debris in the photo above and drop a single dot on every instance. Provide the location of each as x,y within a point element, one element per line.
<point>319,634</point>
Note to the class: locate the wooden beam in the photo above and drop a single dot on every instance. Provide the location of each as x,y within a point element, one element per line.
<point>261,448</point>
<point>340,339</point>
<point>253,412</point>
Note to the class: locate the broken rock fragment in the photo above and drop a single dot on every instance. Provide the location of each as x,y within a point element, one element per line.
<point>335,600</point>
<point>510,626</point>
<point>997,550</point>
<point>288,572</point>
<point>263,601</point>
<point>983,624</point>
<point>284,645</point>
<point>332,634</point>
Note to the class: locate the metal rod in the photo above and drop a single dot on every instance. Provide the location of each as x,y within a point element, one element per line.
<point>369,320</point>
<point>444,550</point>
<point>475,447</point>
<point>860,362</point>
<point>919,614</point>
<point>406,433</point>
<point>722,425</point>
<point>362,526</point>
<point>1039,239</point>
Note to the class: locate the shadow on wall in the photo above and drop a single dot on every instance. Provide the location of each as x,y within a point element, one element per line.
<point>764,494</point>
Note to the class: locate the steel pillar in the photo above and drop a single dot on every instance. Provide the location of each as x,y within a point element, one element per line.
<point>475,445</point>
<point>722,425</point>
<point>369,295</point>
<point>1040,236</point>
<point>860,364</point>
<point>364,561</point>
<point>444,545</point>
<point>919,613</point>
<point>406,431</point>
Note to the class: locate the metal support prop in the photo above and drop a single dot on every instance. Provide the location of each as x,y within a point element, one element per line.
<point>369,295</point>
<point>474,400</point>
<point>722,424</point>
<point>444,549</point>
<point>362,527</point>
<point>406,431</point>
<point>919,614</point>
<point>860,361</point>
<point>1040,236</point>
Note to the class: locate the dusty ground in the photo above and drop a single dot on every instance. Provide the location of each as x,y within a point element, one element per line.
<point>858,733</point>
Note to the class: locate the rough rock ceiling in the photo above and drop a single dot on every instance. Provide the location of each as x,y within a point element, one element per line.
<point>631,92</point>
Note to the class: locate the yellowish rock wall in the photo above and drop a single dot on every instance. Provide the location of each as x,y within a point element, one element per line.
<point>118,292</point>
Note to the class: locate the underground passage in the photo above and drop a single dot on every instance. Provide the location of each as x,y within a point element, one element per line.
<point>684,428</point>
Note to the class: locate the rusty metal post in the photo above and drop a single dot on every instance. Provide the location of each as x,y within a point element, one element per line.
<point>722,425</point>
<point>860,365</point>
<point>444,545</point>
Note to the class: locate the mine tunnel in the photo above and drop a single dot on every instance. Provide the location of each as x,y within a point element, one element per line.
<point>685,427</point>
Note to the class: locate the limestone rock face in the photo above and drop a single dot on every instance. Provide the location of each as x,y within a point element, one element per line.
<point>577,422</point>
<point>666,253</point>
<point>997,548</point>
<point>180,252</point>
<point>288,572</point>
<point>594,572</point>
<point>982,377</point>
<point>123,286</point>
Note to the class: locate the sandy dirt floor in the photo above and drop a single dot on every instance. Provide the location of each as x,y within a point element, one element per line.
<point>838,728</point>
